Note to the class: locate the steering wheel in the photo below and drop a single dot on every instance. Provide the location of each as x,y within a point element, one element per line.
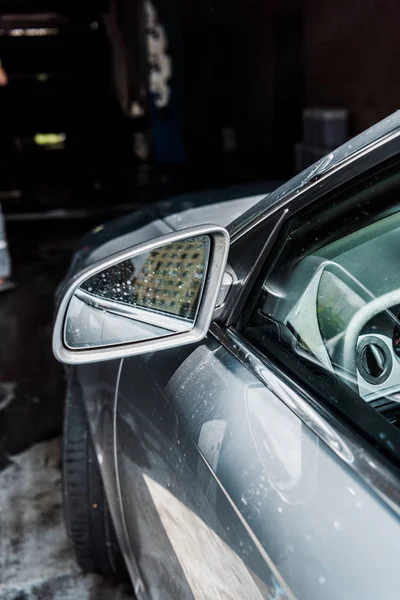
<point>359,320</point>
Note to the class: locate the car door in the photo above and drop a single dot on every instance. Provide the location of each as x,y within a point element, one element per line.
<point>187,535</point>
<point>334,265</point>
<point>238,477</point>
<point>228,493</point>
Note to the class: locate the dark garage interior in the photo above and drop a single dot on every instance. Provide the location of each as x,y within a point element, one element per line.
<point>110,107</point>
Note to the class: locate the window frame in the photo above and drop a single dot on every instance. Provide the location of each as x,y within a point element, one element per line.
<point>364,421</point>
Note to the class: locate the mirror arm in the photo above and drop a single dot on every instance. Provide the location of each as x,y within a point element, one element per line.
<point>228,281</point>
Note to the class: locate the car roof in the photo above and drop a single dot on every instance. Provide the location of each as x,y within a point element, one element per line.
<point>289,190</point>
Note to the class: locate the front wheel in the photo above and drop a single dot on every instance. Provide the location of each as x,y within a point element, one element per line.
<point>89,525</point>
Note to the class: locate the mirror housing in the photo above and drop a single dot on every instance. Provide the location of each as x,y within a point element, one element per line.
<point>110,326</point>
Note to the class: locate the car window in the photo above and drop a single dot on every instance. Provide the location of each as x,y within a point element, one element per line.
<point>328,311</point>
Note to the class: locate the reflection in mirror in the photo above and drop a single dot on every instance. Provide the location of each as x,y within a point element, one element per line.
<point>150,295</point>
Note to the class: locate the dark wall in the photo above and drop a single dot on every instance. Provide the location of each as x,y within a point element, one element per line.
<point>254,65</point>
<point>244,72</point>
<point>352,55</point>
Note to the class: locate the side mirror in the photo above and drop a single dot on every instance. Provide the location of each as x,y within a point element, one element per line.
<point>153,296</point>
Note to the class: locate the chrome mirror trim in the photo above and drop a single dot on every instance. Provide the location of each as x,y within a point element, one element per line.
<point>215,271</point>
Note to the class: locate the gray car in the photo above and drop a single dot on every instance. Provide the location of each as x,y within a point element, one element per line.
<point>232,414</point>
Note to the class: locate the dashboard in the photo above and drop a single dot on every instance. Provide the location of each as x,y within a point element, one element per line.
<point>351,331</point>
<point>342,303</point>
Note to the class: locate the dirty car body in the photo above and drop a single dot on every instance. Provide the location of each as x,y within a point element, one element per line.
<point>259,463</point>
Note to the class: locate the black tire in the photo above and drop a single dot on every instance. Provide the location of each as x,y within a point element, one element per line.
<point>89,526</point>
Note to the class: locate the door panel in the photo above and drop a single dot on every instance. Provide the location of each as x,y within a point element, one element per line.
<point>146,437</point>
<point>189,540</point>
<point>309,511</point>
<point>235,483</point>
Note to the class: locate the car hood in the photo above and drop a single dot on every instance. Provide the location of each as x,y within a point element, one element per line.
<point>218,207</point>
<point>219,213</point>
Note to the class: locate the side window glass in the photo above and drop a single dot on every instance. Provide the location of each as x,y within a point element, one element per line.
<point>329,310</point>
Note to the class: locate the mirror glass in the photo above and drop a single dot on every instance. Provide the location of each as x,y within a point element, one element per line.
<point>150,295</point>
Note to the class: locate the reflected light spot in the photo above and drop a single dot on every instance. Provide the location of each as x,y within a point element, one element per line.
<point>33,31</point>
<point>49,139</point>
<point>198,549</point>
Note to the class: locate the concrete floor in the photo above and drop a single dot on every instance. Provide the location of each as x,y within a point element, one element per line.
<point>35,560</point>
